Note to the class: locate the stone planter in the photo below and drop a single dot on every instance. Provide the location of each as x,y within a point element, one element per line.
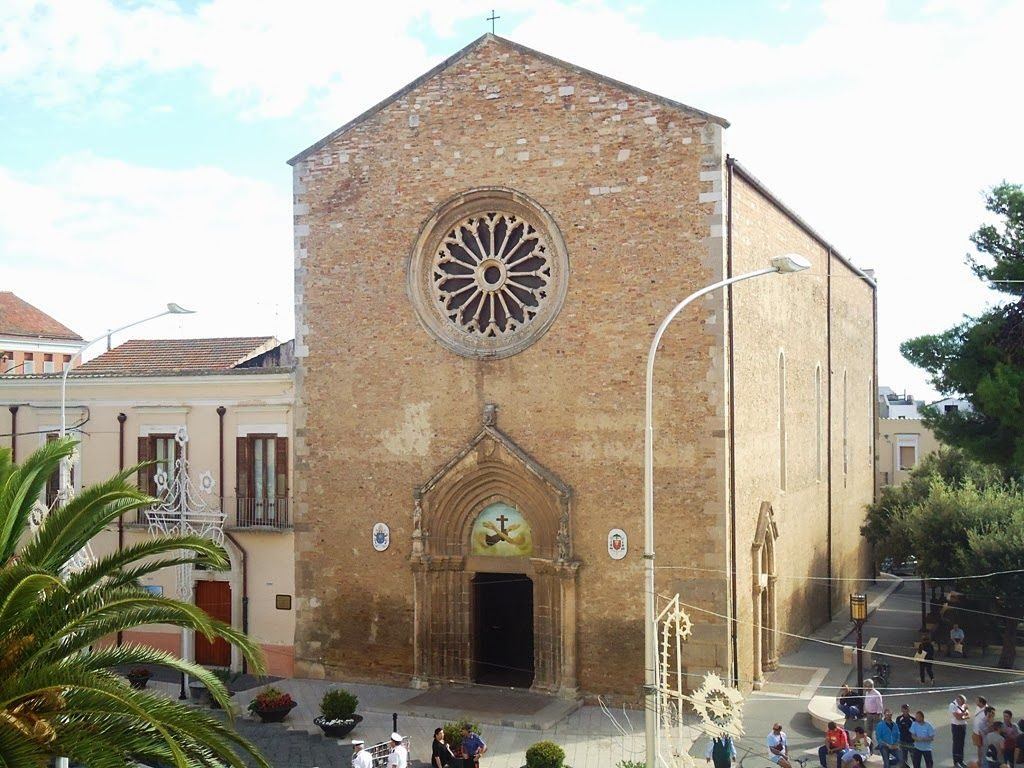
<point>277,714</point>
<point>213,701</point>
<point>198,693</point>
<point>337,729</point>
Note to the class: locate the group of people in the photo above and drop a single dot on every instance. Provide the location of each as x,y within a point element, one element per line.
<point>398,755</point>
<point>994,738</point>
<point>472,749</point>
<point>441,754</point>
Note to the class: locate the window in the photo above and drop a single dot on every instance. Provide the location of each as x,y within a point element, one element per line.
<point>29,365</point>
<point>489,273</point>
<point>906,452</point>
<point>53,481</point>
<point>818,421</point>
<point>951,408</point>
<point>164,450</point>
<point>47,363</point>
<point>846,430</point>
<point>262,479</point>
<point>782,420</point>
<point>65,362</point>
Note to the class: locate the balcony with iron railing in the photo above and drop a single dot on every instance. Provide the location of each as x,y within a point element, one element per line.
<point>273,513</point>
<point>257,512</point>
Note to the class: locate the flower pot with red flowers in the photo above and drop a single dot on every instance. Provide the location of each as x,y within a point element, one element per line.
<point>138,677</point>
<point>271,705</point>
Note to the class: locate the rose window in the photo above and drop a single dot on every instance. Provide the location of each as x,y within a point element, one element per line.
<point>489,273</point>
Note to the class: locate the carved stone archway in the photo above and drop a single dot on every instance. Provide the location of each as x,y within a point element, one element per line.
<point>766,657</point>
<point>490,469</point>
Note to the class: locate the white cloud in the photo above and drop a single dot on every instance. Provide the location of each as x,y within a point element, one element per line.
<point>97,242</point>
<point>881,131</point>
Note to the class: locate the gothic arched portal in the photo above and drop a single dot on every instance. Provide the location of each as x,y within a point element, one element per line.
<point>765,624</point>
<point>492,510</point>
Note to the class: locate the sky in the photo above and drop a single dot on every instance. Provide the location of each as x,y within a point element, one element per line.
<point>143,145</point>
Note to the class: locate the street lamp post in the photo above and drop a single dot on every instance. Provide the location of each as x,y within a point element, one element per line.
<point>65,464</point>
<point>783,264</point>
<point>859,614</point>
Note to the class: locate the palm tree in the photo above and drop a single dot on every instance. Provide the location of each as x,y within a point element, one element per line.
<point>59,697</point>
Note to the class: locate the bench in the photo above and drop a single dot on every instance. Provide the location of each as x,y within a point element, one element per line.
<point>823,710</point>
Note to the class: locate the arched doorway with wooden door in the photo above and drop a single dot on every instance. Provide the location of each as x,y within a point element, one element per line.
<point>765,624</point>
<point>494,572</point>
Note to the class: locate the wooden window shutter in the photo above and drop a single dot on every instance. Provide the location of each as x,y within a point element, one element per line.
<point>145,481</point>
<point>243,467</point>
<point>281,465</point>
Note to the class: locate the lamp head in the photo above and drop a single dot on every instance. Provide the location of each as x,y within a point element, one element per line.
<point>177,309</point>
<point>858,606</point>
<point>790,262</point>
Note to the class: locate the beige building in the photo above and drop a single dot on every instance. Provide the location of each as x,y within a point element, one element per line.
<point>903,439</point>
<point>233,399</point>
<point>481,262</point>
<point>31,341</point>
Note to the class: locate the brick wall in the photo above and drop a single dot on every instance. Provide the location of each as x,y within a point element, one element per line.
<point>382,405</point>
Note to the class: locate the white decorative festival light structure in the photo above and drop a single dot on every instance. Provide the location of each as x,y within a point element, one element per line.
<point>183,512</point>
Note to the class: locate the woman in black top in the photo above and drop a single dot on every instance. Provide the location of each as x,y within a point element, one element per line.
<point>441,754</point>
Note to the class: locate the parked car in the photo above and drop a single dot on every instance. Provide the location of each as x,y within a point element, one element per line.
<point>907,567</point>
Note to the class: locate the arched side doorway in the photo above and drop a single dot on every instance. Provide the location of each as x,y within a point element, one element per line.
<point>765,624</point>
<point>493,525</point>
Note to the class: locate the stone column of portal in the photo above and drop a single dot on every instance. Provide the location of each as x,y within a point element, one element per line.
<point>567,685</point>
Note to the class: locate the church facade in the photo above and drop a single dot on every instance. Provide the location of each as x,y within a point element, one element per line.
<point>481,262</point>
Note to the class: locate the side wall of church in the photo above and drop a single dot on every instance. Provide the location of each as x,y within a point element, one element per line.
<point>853,428</point>
<point>781,331</point>
<point>382,405</point>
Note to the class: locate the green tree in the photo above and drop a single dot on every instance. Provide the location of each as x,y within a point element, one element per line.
<point>886,525</point>
<point>59,697</point>
<point>983,357</point>
<point>964,529</point>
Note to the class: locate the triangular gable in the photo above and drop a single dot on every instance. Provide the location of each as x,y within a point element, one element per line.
<point>491,432</point>
<point>671,103</point>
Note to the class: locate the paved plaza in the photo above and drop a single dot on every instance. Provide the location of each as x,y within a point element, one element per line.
<point>513,720</point>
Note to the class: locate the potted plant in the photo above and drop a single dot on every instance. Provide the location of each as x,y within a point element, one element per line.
<point>272,705</point>
<point>545,754</point>
<point>138,677</point>
<point>338,713</point>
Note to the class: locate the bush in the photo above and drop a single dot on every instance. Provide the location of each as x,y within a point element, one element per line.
<point>453,732</point>
<point>545,754</point>
<point>270,698</point>
<point>630,764</point>
<point>338,704</point>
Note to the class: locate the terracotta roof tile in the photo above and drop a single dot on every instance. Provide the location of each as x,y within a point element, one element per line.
<point>149,356</point>
<point>19,318</point>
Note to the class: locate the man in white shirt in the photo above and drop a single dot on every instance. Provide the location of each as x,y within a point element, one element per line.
<point>873,705</point>
<point>958,717</point>
<point>361,758</point>
<point>399,757</point>
<point>777,749</point>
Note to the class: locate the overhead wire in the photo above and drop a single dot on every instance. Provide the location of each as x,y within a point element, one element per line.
<point>936,662</point>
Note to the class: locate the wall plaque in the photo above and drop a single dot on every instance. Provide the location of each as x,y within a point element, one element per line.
<point>618,544</point>
<point>381,536</point>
